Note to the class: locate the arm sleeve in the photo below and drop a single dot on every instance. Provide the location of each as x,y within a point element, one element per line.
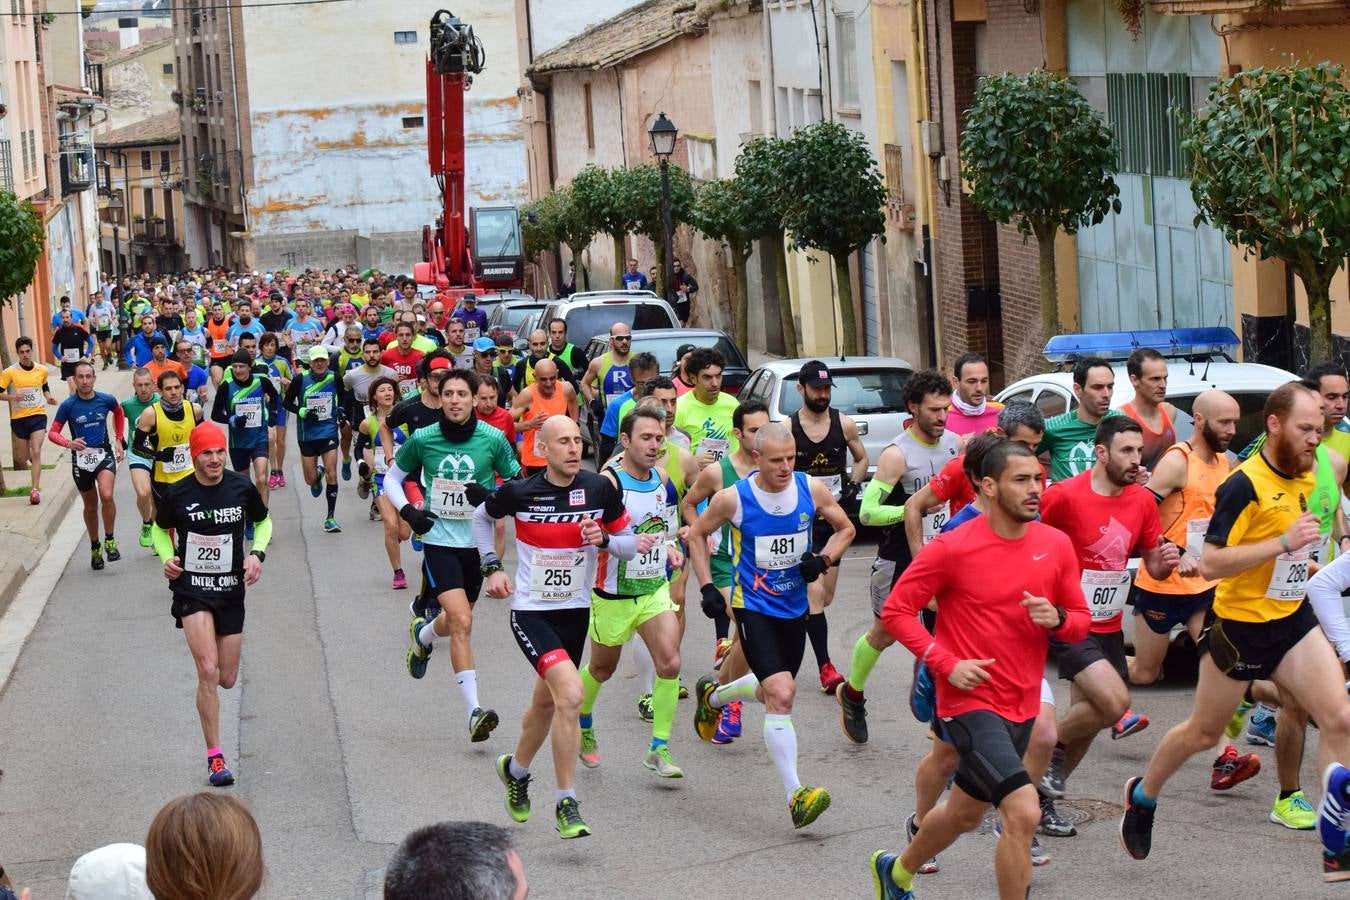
<point>145,444</point>
<point>872,511</point>
<point>921,581</point>
<point>483,529</point>
<point>393,484</point>
<point>219,407</point>
<point>54,433</point>
<point>1324,591</point>
<point>616,521</point>
<point>292,401</point>
<point>273,399</point>
<point>89,344</point>
<point>119,419</point>
<point>163,544</point>
<point>262,533</point>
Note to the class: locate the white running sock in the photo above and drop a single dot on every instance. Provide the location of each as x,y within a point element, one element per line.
<point>646,666</point>
<point>468,689</point>
<point>426,635</point>
<point>742,688</point>
<point>562,794</point>
<point>781,739</point>
<point>516,769</point>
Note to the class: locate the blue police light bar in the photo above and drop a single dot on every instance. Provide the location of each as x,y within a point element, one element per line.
<point>1118,345</point>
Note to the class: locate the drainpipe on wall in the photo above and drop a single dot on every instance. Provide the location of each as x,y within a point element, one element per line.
<point>238,129</point>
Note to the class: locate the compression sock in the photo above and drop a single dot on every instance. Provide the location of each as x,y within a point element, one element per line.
<point>1138,796</point>
<point>646,668</point>
<point>468,689</point>
<point>665,695</point>
<point>722,623</point>
<point>781,739</point>
<point>819,633</point>
<point>865,656</point>
<point>902,876</point>
<point>742,688</point>
<point>332,499</point>
<point>590,689</point>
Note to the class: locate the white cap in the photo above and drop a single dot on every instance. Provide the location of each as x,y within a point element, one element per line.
<point>114,872</point>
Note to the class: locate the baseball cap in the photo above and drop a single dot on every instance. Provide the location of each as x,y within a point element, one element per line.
<point>440,362</point>
<point>317,353</point>
<point>485,345</point>
<point>114,872</point>
<point>815,374</point>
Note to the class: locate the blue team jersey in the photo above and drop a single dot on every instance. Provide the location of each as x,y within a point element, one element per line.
<point>88,419</point>
<point>610,426</point>
<point>320,395</point>
<point>766,551</point>
<point>963,515</point>
<point>253,327</point>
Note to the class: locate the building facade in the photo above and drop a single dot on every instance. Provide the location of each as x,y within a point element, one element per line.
<point>145,174</point>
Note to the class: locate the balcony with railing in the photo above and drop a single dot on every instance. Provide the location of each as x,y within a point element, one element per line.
<point>93,76</point>
<point>78,172</point>
<point>1243,7</point>
<point>154,231</point>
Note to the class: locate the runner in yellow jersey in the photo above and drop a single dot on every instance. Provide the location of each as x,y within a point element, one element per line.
<point>163,431</point>
<point>24,385</point>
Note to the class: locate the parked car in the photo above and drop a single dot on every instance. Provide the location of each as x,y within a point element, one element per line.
<point>870,389</point>
<point>593,312</point>
<point>510,314</point>
<point>489,301</point>
<point>662,343</point>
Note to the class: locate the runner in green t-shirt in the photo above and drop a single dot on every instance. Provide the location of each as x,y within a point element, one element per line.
<point>143,394</point>
<point>459,458</point>
<point>705,412</point>
<point>1070,438</point>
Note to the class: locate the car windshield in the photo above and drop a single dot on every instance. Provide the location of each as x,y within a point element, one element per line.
<point>856,391</point>
<point>495,233</point>
<point>663,348</point>
<point>510,317</point>
<point>585,322</point>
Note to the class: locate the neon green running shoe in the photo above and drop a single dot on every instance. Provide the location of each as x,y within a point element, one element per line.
<point>644,705</point>
<point>807,804</point>
<point>1234,726</point>
<point>569,822</point>
<point>145,534</point>
<point>590,749</point>
<point>517,790</point>
<point>1294,812</point>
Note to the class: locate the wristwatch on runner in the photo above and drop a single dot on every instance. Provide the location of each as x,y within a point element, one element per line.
<point>490,565</point>
<point>261,554</point>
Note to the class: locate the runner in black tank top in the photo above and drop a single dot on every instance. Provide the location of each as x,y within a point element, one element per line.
<point>825,458</point>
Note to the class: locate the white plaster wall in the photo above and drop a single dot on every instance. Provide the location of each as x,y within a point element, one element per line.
<point>330,149</point>
<point>795,65</point>
<point>554,22</point>
<point>737,59</point>
<point>138,89</point>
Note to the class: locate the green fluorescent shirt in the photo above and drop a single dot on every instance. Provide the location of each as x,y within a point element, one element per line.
<point>704,422</point>
<point>1070,441</point>
<point>484,455</point>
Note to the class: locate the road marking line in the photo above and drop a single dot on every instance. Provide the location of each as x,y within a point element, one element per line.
<point>26,609</point>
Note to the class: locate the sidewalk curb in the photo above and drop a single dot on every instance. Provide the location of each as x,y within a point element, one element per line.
<point>24,539</point>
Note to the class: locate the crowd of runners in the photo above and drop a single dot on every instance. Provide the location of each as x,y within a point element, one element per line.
<point>1006,539</point>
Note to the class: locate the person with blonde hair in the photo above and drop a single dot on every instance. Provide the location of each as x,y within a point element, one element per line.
<point>204,847</point>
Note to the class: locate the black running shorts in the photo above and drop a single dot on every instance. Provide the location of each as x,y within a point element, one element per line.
<point>771,645</point>
<point>1248,651</point>
<point>547,637</point>
<point>990,748</point>
<point>450,569</point>
<point>1074,658</point>
<point>228,615</point>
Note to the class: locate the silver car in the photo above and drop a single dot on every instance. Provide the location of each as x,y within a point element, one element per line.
<point>870,389</point>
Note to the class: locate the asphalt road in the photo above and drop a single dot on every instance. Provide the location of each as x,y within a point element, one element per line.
<point>339,753</point>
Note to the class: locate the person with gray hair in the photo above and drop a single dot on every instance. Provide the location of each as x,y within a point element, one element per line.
<point>1020,414</point>
<point>456,861</point>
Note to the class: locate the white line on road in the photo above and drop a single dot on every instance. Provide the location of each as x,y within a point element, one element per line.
<point>25,610</point>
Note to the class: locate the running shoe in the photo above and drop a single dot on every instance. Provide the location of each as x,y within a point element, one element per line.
<point>363,481</point>
<point>1230,769</point>
<point>374,513</point>
<point>217,774</point>
<point>1039,855</point>
<point>684,691</point>
<point>1136,824</point>
<point>644,705</point>
<point>723,645</point>
<point>417,653</point>
<point>1234,726</point>
<point>331,526</point>
<point>568,819</point>
<point>145,534</point>
<point>723,735</point>
<point>929,867</point>
<point>660,762</point>
<point>1129,724</point>
<point>1052,823</point>
<point>35,497</point>
<point>830,679</point>
<point>590,749</point>
<point>1052,782</point>
<point>400,580</point>
<point>730,722</point>
<point>110,551</point>
<point>807,804</point>
<point>852,715</point>
<point>416,540</point>
<point>248,531</point>
<point>1261,728</point>
<point>347,469</point>
<point>887,889</point>
<point>482,722</point>
<point>1294,812</point>
<point>316,489</point>
<point>922,693</point>
<point>705,717</point>
<point>281,479</point>
<point>96,558</point>
<point>517,789</point>
<point>1336,866</point>
<point>272,482</point>
<point>1332,817</point>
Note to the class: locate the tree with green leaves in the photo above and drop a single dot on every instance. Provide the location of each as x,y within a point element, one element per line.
<point>760,186</point>
<point>556,218</point>
<point>1037,154</point>
<point>21,240</point>
<point>835,202</point>
<point>1271,169</point>
<point>640,187</point>
<point>716,213</point>
<point>598,196</point>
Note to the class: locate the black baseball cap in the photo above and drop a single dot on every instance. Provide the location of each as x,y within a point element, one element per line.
<point>815,374</point>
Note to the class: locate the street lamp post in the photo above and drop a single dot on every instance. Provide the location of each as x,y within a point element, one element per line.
<point>663,134</point>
